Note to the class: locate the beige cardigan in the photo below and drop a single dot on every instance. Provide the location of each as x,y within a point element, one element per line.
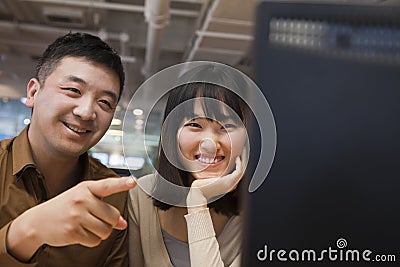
<point>146,244</point>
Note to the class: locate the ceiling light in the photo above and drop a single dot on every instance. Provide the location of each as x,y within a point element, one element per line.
<point>138,111</point>
<point>116,122</point>
<point>114,132</point>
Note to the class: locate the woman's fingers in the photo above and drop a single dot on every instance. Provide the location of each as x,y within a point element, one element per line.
<point>215,186</point>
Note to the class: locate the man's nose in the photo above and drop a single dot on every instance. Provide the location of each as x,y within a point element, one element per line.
<point>85,109</point>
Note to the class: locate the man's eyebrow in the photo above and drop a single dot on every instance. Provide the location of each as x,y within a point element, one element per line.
<point>76,79</point>
<point>110,94</point>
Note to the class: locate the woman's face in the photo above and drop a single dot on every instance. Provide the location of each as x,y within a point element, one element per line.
<point>208,148</point>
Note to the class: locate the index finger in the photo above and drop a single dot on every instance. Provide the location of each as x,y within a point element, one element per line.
<point>109,186</point>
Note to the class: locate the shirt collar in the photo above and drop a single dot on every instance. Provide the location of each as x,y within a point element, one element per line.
<point>87,174</point>
<point>21,151</point>
<point>23,158</point>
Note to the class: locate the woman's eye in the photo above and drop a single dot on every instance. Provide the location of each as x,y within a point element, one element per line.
<point>228,126</point>
<point>193,124</point>
<point>74,90</point>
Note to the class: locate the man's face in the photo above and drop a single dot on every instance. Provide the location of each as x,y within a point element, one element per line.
<point>74,107</point>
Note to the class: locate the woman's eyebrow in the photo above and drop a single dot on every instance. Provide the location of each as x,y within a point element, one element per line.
<point>198,116</point>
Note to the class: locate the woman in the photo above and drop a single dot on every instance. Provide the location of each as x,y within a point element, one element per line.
<point>203,152</point>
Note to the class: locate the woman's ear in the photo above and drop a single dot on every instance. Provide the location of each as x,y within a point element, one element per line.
<point>31,89</point>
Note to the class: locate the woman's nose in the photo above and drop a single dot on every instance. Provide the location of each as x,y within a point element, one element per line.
<point>208,146</point>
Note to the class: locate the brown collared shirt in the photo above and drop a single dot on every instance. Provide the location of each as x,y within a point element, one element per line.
<point>22,187</point>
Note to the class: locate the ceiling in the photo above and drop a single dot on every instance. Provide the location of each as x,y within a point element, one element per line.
<point>149,34</point>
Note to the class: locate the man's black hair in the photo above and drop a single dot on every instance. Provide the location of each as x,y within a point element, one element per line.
<point>80,45</point>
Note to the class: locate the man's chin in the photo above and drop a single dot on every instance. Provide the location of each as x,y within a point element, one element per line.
<point>72,151</point>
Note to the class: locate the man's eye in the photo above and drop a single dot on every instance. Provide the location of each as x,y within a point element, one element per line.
<point>193,124</point>
<point>106,103</point>
<point>72,90</point>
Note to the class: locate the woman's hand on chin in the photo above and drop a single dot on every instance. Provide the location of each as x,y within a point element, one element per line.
<point>204,189</point>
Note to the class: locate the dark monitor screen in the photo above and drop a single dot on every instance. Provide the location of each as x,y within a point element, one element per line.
<point>331,75</point>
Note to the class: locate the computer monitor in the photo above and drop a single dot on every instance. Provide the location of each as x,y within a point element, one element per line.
<point>331,75</point>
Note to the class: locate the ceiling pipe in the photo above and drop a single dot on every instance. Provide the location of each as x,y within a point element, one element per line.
<point>114,6</point>
<point>189,1</point>
<point>123,38</point>
<point>208,17</point>
<point>157,16</point>
<point>222,35</point>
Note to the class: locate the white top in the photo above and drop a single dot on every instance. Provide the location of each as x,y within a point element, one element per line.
<point>146,242</point>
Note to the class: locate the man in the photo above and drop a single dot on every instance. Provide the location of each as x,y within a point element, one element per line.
<point>58,206</point>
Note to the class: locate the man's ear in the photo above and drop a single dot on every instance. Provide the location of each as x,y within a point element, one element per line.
<point>31,89</point>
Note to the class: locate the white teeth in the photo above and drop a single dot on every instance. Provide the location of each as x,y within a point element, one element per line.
<point>208,160</point>
<point>75,129</point>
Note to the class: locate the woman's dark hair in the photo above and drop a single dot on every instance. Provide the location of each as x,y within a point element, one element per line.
<point>80,45</point>
<point>228,204</point>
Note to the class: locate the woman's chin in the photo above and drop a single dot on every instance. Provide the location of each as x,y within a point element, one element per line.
<point>207,176</point>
